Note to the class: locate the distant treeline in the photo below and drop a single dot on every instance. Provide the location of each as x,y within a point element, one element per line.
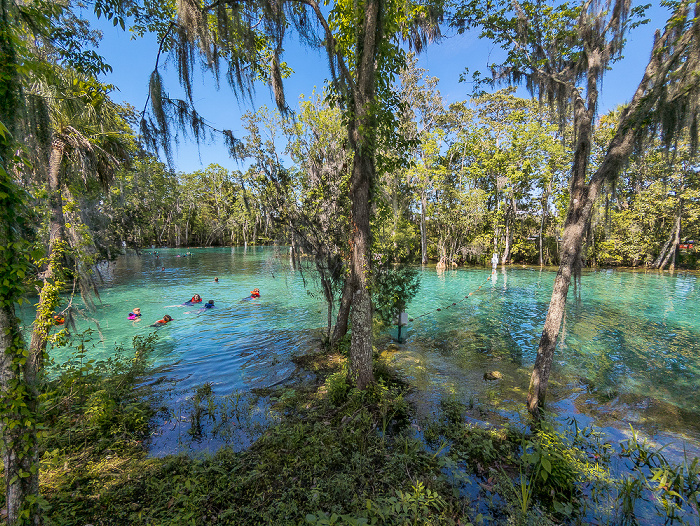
<point>490,176</point>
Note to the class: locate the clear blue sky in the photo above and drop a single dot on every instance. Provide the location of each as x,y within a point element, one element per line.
<point>132,62</point>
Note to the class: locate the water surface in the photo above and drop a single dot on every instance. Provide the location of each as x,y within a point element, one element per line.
<point>629,352</point>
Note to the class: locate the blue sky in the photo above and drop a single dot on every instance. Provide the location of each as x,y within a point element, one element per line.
<point>132,62</point>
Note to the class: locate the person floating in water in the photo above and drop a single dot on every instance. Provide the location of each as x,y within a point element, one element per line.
<point>135,315</point>
<point>255,293</point>
<point>160,323</point>
<point>208,305</point>
<point>216,280</point>
<point>195,299</point>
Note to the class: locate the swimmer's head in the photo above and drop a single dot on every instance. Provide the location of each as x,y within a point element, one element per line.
<point>216,280</point>
<point>197,297</point>
<point>137,310</point>
<point>167,317</point>
<point>210,302</point>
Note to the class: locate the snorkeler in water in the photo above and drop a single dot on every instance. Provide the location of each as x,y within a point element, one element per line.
<point>166,319</point>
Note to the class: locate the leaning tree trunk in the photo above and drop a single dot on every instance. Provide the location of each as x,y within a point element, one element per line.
<point>580,208</point>
<point>583,196</point>
<point>662,253</point>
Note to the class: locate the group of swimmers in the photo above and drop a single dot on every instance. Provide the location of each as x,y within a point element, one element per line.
<point>135,315</point>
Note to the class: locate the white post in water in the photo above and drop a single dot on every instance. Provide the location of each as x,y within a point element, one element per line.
<point>401,321</point>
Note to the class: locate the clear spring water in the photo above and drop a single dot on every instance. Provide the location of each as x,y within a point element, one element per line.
<point>630,352</point>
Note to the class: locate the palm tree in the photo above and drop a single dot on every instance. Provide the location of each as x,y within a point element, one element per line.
<point>90,139</point>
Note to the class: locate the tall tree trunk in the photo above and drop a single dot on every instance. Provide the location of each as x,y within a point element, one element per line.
<point>16,459</point>
<point>362,133</point>
<point>341,323</point>
<point>580,208</point>
<point>423,229</point>
<point>545,200</point>
<point>48,297</point>
<point>676,236</point>
<point>509,238</point>
<point>361,346</point>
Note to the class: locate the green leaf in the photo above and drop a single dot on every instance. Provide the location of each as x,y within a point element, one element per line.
<point>547,465</point>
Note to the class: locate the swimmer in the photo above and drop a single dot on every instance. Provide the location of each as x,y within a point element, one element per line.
<point>195,299</point>
<point>255,293</point>
<point>162,268</point>
<point>162,322</point>
<point>216,280</point>
<point>208,305</point>
<point>135,315</point>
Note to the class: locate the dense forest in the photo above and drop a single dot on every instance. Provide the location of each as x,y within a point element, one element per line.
<point>365,180</point>
<point>487,174</point>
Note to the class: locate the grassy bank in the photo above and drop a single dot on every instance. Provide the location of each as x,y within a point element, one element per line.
<point>334,455</point>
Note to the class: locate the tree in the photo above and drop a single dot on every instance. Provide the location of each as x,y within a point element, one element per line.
<point>362,44</point>
<point>554,48</point>
<point>88,130</point>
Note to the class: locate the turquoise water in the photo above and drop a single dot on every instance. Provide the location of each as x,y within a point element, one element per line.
<point>629,355</point>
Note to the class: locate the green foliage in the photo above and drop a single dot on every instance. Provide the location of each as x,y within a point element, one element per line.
<point>393,287</point>
<point>96,404</point>
<point>338,387</point>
